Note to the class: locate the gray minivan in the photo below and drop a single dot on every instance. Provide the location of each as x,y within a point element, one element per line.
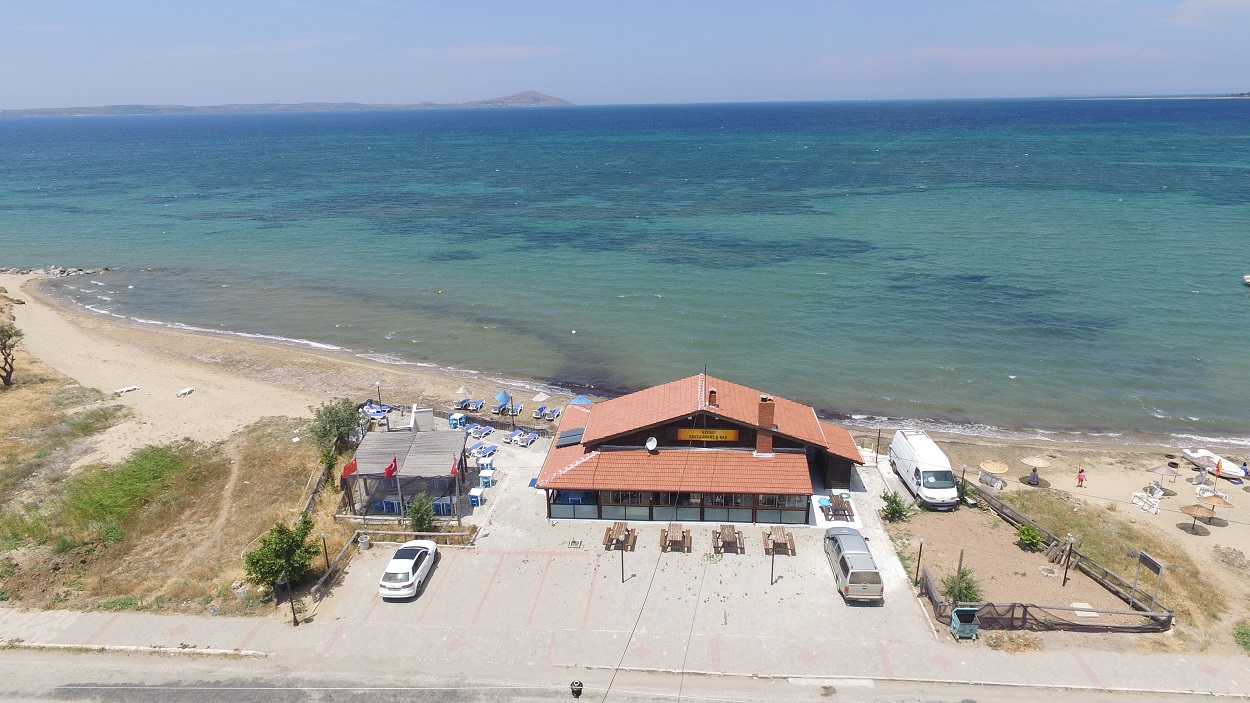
<point>854,570</point>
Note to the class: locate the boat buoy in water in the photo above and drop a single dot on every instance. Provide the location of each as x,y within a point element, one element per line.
<point>440,292</point>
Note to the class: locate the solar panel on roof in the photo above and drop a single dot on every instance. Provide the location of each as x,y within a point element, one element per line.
<point>568,438</point>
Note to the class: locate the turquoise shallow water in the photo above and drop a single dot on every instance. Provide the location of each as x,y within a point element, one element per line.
<point>987,266</point>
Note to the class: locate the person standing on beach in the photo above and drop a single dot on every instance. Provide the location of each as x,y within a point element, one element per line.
<point>1080,478</point>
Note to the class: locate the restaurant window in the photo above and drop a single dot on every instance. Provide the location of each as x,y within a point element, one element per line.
<point>733,500</point>
<point>625,497</point>
<point>781,501</point>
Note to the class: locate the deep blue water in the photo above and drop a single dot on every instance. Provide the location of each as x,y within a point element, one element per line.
<point>979,265</point>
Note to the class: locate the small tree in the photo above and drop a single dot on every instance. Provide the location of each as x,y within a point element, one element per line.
<point>282,552</point>
<point>421,513</point>
<point>334,422</point>
<point>9,337</point>
<point>1030,538</point>
<point>961,587</point>
<point>895,507</point>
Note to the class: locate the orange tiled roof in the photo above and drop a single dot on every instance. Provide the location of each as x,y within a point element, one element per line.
<point>841,443</point>
<point>664,403</point>
<point>698,470</point>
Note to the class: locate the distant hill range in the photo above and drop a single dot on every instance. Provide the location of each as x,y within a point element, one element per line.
<point>528,98</point>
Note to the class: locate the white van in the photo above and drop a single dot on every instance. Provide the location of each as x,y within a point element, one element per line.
<point>924,469</point>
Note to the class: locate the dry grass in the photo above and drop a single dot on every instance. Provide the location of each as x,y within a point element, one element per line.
<point>1012,641</point>
<point>1108,539</point>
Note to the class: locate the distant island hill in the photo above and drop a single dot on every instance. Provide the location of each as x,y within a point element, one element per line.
<point>527,98</point>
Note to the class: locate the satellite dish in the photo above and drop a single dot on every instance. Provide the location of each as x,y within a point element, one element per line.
<point>652,444</point>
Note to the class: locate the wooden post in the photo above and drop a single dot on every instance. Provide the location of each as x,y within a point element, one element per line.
<point>919,556</point>
<point>959,574</point>
<point>876,448</point>
<point>1067,562</point>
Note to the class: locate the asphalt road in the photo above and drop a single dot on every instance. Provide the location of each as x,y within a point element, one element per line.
<point>62,676</point>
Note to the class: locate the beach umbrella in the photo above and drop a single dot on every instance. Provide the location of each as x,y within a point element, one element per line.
<point>994,466</point>
<point>1215,502</point>
<point>1036,462</point>
<point>580,400</point>
<point>541,397</point>
<point>1197,511</point>
<point>1165,470</point>
<point>462,391</point>
<point>503,397</point>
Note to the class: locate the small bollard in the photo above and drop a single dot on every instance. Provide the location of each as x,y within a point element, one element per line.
<point>576,689</point>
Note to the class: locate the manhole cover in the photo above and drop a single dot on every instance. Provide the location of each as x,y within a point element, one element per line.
<point>575,544</point>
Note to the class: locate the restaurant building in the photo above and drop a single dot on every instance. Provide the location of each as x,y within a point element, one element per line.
<point>696,449</point>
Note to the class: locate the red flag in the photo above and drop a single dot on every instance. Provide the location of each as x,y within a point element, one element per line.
<point>349,468</point>
<point>455,466</point>
<point>392,467</point>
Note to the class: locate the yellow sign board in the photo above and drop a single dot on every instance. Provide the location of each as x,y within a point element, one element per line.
<point>694,435</point>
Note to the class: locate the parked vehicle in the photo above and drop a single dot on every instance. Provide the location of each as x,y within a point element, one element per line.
<point>924,469</point>
<point>408,570</point>
<point>854,569</point>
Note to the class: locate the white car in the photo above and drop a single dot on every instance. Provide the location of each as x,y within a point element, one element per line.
<point>408,569</point>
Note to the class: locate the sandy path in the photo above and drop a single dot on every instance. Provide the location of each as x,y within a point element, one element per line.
<point>222,403</point>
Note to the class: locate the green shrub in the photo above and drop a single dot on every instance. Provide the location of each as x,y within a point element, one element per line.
<point>4,595</point>
<point>334,422</point>
<point>122,603</point>
<point>969,590</point>
<point>1030,538</point>
<point>896,508</point>
<point>1242,635</point>
<point>421,513</point>
<point>101,500</point>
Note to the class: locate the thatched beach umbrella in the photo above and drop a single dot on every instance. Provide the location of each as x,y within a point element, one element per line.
<point>1165,470</point>
<point>1036,462</point>
<point>541,397</point>
<point>994,466</point>
<point>1215,502</point>
<point>1197,511</point>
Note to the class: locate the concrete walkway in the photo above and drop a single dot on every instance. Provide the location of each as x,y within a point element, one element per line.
<point>787,655</point>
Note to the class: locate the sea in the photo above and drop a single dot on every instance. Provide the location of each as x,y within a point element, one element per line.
<point>1053,269</point>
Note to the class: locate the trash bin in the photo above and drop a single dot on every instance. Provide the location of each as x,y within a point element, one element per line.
<point>964,623</point>
<point>363,542</point>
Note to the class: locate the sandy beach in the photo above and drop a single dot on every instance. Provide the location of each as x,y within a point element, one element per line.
<point>236,381</point>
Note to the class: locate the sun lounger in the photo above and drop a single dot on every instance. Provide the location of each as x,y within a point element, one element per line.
<point>472,451</point>
<point>461,404</point>
<point>472,428</point>
<point>1145,502</point>
<point>1204,491</point>
<point>527,439</point>
<point>498,409</point>
<point>489,451</point>
<point>552,414</point>
<point>371,407</point>
<point>1154,490</point>
<point>515,410</point>
<point>474,406</point>
<point>514,436</point>
<point>538,414</point>
<point>483,431</point>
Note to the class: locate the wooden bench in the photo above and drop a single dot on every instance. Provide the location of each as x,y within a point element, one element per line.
<point>768,544</point>
<point>633,537</point>
<point>607,537</point>
<point>790,542</point>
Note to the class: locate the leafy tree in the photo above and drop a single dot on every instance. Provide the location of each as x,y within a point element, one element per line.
<point>421,513</point>
<point>334,422</point>
<point>9,337</point>
<point>969,589</point>
<point>283,551</point>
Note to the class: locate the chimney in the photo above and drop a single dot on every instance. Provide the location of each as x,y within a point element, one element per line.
<point>711,397</point>
<point>764,435</point>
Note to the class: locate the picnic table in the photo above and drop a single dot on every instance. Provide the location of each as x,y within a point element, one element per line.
<point>619,536</point>
<point>840,508</point>
<point>727,538</point>
<point>675,537</point>
<point>779,538</point>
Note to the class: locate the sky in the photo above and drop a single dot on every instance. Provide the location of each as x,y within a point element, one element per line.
<point>69,53</point>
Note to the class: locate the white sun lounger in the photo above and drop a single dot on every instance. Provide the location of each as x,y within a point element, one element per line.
<point>527,439</point>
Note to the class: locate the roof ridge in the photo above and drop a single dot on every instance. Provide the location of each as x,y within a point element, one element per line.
<point>702,397</point>
<point>574,465</point>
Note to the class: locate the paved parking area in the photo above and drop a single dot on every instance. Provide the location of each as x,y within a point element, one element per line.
<point>536,591</point>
